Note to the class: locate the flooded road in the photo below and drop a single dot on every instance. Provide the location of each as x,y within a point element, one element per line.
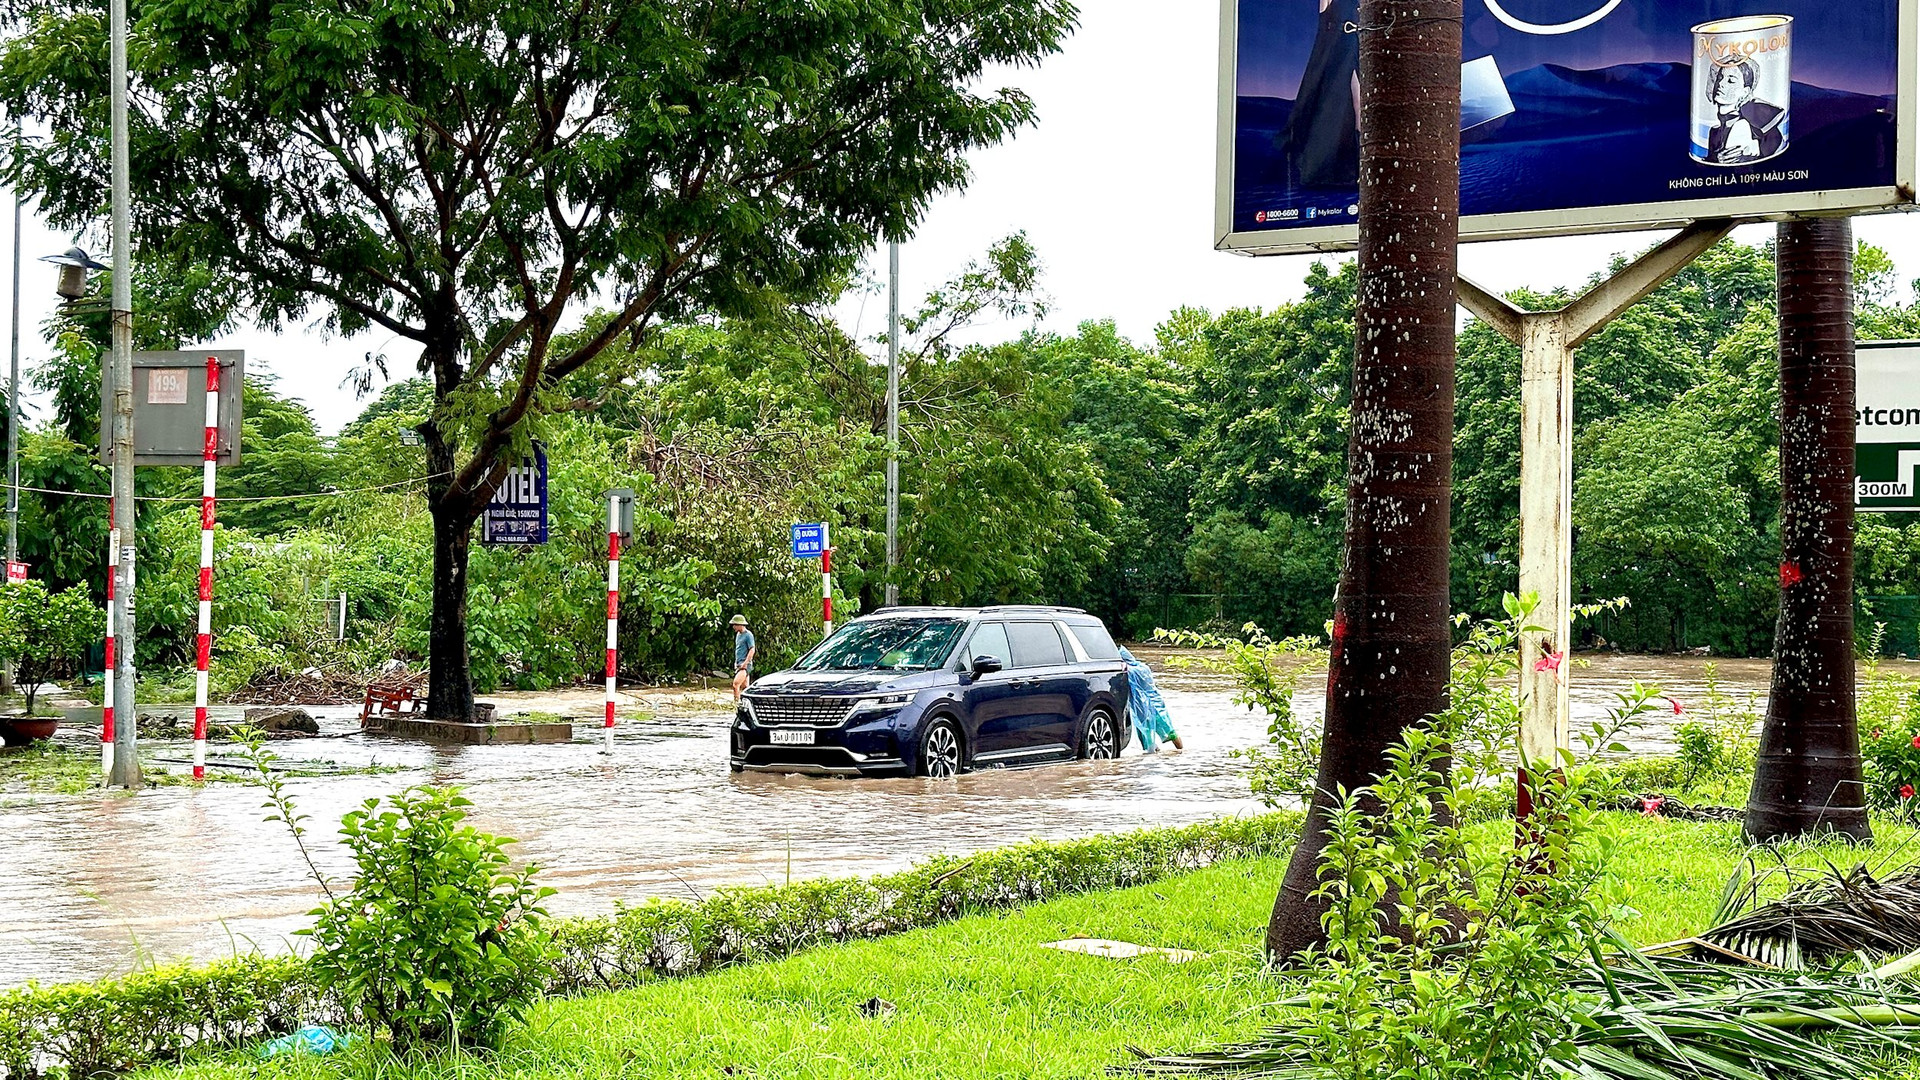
<point>97,884</point>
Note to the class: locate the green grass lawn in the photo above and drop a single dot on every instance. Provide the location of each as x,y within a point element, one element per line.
<point>979,997</point>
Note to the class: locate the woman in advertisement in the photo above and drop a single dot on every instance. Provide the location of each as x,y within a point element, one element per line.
<point>1323,132</point>
<point>1745,129</point>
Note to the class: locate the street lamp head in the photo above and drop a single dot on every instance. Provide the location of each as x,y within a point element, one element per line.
<point>75,256</point>
<point>74,263</point>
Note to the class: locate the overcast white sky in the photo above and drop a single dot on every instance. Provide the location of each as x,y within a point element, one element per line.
<point>1114,186</point>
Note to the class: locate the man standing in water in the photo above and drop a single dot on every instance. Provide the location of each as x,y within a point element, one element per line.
<point>1147,709</point>
<point>743,650</point>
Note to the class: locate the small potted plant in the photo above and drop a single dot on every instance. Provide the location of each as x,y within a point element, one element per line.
<point>46,635</point>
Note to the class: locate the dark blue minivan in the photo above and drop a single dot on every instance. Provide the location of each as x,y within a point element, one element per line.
<point>927,691</point>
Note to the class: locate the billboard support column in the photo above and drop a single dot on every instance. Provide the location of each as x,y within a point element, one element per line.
<point>1546,533</point>
<point>1547,340</point>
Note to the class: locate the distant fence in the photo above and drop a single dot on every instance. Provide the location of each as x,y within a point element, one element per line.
<point>1901,614</point>
<point>1227,612</point>
<point>1192,611</point>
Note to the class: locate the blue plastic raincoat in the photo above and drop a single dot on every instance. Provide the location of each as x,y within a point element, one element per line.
<point>1145,707</point>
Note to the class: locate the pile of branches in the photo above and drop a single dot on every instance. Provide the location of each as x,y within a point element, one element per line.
<point>1783,987</point>
<point>275,685</point>
<point>1823,917</point>
<point>1671,1018</point>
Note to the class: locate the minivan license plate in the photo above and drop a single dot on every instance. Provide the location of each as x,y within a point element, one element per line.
<point>792,738</point>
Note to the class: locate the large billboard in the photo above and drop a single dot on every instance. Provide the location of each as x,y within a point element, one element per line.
<point>1887,426</point>
<point>1581,115</point>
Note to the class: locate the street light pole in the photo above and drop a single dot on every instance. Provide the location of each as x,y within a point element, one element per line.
<point>126,757</point>
<point>13,412</point>
<point>893,421</point>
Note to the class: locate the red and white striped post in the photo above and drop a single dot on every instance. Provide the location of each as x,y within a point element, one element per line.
<point>106,701</point>
<point>826,583</point>
<point>204,647</point>
<point>613,608</point>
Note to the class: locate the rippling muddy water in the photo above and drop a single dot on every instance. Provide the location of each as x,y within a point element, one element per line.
<point>96,884</point>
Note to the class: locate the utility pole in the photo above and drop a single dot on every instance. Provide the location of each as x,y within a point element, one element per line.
<point>13,416</point>
<point>126,755</point>
<point>893,422</point>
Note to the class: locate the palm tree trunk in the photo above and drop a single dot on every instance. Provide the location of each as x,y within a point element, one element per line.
<point>1391,637</point>
<point>1808,775</point>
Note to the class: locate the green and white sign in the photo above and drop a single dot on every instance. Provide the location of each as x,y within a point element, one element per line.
<point>1887,427</point>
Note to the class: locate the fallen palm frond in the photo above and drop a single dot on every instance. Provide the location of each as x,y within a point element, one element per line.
<point>1655,1018</point>
<point>1824,915</point>
<point>1656,804</point>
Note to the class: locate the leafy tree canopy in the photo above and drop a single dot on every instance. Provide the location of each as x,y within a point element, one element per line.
<point>460,177</point>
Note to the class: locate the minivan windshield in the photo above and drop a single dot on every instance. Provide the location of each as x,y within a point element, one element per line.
<point>898,644</point>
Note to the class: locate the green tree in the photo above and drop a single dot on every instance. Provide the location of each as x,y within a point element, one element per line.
<point>1274,392</point>
<point>1133,411</point>
<point>46,634</point>
<point>1278,573</point>
<point>459,180</point>
<point>1000,501</point>
<point>1661,519</point>
<point>283,464</point>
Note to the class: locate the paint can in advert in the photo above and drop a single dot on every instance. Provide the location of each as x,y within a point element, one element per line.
<point>1742,89</point>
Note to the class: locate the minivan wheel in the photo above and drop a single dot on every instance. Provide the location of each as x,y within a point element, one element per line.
<point>940,750</point>
<point>1101,739</point>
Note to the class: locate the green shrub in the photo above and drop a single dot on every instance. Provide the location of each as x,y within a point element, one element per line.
<point>1718,740</point>
<point>46,633</point>
<point>1438,965</point>
<point>1889,717</point>
<point>1446,960</point>
<point>439,941</point>
<point>1265,674</point>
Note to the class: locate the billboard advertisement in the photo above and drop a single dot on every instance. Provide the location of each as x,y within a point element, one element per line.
<point>1580,115</point>
<point>1887,426</point>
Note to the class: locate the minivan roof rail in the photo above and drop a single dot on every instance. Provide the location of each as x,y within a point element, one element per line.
<point>1036,607</point>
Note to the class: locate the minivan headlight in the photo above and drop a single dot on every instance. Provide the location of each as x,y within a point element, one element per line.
<point>883,703</point>
<point>745,712</point>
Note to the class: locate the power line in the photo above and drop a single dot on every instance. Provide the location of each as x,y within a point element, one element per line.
<point>244,499</point>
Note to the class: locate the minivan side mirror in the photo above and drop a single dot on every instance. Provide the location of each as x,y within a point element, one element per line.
<point>987,665</point>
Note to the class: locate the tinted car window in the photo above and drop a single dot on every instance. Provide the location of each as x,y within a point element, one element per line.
<point>1036,644</point>
<point>900,644</point>
<point>990,639</point>
<point>1095,641</point>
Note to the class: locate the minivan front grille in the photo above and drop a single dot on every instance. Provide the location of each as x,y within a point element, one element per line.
<point>812,711</point>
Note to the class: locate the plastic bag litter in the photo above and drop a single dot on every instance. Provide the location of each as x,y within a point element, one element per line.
<point>307,1040</point>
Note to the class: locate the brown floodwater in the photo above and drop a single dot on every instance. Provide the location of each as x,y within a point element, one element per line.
<point>98,884</point>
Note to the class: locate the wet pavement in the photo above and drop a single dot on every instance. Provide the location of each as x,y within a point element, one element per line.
<point>98,884</point>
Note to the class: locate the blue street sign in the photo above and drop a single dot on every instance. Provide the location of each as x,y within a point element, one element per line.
<point>518,513</point>
<point>809,540</point>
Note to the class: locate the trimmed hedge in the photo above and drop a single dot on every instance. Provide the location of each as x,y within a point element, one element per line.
<point>740,925</point>
<point>162,1015</point>
<point>116,1025</point>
